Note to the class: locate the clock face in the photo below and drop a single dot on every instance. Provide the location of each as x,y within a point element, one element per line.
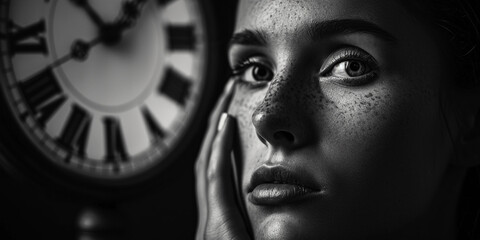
<point>100,90</point>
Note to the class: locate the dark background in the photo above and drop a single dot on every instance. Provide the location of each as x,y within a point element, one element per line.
<point>166,210</point>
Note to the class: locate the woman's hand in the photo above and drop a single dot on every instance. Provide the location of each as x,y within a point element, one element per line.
<point>219,215</point>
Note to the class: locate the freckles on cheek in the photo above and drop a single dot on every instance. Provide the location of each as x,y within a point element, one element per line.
<point>355,131</point>
<point>372,125</point>
<point>360,114</point>
<point>242,106</point>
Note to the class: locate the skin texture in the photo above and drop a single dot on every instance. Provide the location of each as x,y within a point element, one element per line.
<point>385,155</point>
<point>380,151</point>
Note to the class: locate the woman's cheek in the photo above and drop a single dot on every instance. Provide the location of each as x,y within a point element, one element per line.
<point>354,133</point>
<point>243,104</point>
<point>377,144</point>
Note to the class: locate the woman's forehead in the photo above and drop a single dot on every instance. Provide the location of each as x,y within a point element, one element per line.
<point>280,17</point>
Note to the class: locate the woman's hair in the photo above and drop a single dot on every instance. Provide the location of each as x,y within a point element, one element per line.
<point>459,19</point>
<point>469,206</point>
<point>458,23</point>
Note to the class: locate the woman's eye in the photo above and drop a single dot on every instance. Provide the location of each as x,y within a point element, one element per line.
<point>349,69</point>
<point>260,73</point>
<point>254,72</point>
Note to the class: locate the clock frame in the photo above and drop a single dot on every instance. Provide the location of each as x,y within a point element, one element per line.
<point>31,105</point>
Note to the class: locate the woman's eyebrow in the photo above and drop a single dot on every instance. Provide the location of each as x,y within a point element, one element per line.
<point>318,30</point>
<point>249,37</point>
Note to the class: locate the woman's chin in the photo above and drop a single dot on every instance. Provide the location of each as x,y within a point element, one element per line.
<point>279,226</point>
<point>287,222</point>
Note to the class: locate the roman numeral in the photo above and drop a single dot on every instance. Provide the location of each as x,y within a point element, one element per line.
<point>42,94</point>
<point>116,151</point>
<point>33,32</point>
<point>75,132</point>
<point>154,129</point>
<point>47,111</point>
<point>175,86</point>
<point>181,37</point>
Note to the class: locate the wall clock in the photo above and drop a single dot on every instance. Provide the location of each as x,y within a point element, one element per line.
<point>101,93</point>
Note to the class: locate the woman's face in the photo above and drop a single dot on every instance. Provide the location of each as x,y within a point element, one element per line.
<point>340,125</point>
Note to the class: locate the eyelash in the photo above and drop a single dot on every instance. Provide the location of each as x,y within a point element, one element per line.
<point>349,55</point>
<point>239,69</point>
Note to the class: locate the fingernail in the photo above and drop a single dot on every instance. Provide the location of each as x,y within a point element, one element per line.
<point>222,121</point>
<point>229,85</point>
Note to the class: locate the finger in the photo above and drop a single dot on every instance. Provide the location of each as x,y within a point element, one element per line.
<point>221,106</point>
<point>223,102</point>
<point>202,161</point>
<point>202,188</point>
<point>224,218</point>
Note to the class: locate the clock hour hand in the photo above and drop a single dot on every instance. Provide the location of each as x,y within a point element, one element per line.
<point>131,10</point>
<point>85,5</point>
<point>111,33</point>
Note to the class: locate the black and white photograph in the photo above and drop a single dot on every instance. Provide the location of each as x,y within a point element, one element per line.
<point>240,119</point>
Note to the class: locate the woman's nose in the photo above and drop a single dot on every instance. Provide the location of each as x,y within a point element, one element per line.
<point>282,120</point>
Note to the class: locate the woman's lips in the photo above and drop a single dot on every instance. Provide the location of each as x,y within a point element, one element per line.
<point>277,194</point>
<point>278,185</point>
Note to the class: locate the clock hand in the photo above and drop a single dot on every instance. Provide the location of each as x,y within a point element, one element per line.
<point>78,51</point>
<point>85,5</point>
<point>111,34</point>
<point>131,10</point>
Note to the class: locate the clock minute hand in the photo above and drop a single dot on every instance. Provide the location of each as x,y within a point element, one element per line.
<point>85,5</point>
<point>78,51</point>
